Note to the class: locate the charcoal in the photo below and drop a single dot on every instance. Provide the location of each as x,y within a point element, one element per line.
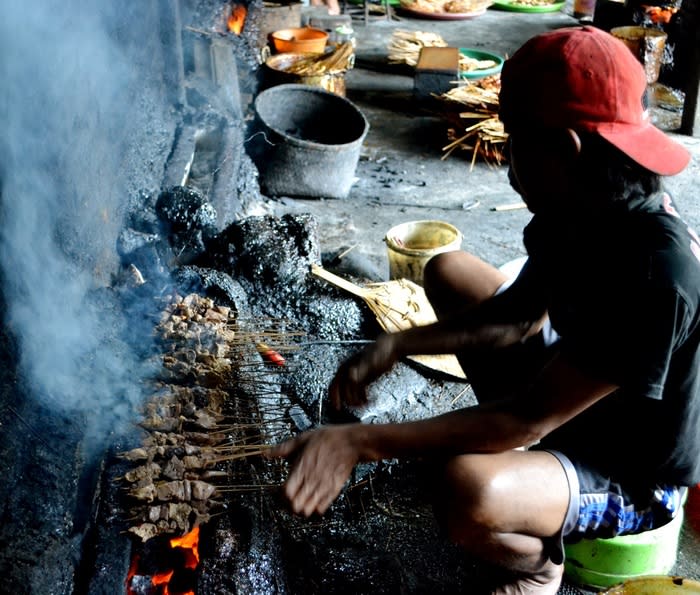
<point>185,209</point>
<point>219,286</point>
<point>130,240</point>
<point>188,220</point>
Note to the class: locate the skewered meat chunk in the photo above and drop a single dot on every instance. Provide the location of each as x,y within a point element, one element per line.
<point>205,439</point>
<point>174,469</point>
<point>147,471</point>
<point>155,513</point>
<point>163,424</point>
<point>193,462</point>
<point>192,449</point>
<point>202,507</point>
<point>213,315</point>
<point>179,514</point>
<point>188,410</point>
<point>135,454</point>
<point>179,491</point>
<point>157,438</point>
<point>206,458</point>
<point>145,531</point>
<point>147,493</point>
<point>201,490</point>
<point>184,491</point>
<point>207,420</point>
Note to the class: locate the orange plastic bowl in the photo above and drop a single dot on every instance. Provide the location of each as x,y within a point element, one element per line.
<point>299,40</point>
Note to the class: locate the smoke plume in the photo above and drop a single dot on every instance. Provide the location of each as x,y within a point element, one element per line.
<point>64,113</point>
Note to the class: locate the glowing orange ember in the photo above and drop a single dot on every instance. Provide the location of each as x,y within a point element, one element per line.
<point>189,547</point>
<point>660,14</point>
<point>132,573</point>
<point>162,579</point>
<point>190,544</point>
<point>236,19</point>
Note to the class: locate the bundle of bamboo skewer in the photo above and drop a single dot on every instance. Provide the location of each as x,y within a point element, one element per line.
<point>339,60</point>
<point>405,46</point>
<point>476,128</point>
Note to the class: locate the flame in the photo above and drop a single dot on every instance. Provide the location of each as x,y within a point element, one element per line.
<point>132,573</point>
<point>189,543</point>
<point>660,14</point>
<point>162,579</point>
<point>189,546</point>
<point>236,19</point>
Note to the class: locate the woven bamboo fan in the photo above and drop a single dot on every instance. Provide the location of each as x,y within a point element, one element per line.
<point>398,305</point>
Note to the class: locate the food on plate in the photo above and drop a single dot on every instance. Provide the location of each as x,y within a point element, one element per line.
<point>446,6</point>
<point>469,64</point>
<point>533,2</point>
<point>423,5</point>
<point>463,6</point>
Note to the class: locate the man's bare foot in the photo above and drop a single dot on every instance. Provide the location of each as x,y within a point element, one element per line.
<point>545,582</point>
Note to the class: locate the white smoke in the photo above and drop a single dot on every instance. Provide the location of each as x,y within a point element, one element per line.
<point>62,104</point>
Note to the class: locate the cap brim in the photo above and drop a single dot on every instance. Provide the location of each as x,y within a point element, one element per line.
<point>648,146</point>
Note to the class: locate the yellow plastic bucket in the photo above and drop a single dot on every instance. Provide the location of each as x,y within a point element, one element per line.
<point>412,244</point>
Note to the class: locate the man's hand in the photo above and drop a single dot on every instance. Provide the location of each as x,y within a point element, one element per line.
<point>350,384</point>
<point>322,462</point>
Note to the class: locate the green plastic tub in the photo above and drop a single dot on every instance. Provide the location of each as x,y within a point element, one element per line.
<point>602,563</point>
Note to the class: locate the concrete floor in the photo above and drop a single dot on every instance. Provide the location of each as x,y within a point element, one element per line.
<point>401,176</point>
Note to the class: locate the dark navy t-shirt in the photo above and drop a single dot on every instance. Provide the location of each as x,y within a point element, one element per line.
<point>624,295</point>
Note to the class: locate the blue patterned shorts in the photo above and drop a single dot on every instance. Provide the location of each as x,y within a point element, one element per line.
<point>599,507</point>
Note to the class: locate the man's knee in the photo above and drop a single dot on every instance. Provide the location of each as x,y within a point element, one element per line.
<point>453,280</point>
<point>436,273</point>
<point>468,495</point>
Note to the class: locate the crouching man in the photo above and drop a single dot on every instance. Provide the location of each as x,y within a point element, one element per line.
<point>589,359</point>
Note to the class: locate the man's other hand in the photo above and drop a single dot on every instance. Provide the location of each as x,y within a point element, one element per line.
<point>322,461</point>
<point>350,384</point>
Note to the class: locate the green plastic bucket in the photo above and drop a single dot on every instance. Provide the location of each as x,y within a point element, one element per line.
<point>602,563</point>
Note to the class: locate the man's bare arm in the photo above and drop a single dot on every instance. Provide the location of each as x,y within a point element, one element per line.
<point>325,457</point>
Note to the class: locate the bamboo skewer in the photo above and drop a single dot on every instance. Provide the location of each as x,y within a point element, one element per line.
<point>480,122</point>
<point>405,46</point>
<point>243,455</point>
<point>510,207</point>
<point>336,62</point>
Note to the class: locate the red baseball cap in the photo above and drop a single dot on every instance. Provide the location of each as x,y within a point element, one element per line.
<point>585,79</point>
